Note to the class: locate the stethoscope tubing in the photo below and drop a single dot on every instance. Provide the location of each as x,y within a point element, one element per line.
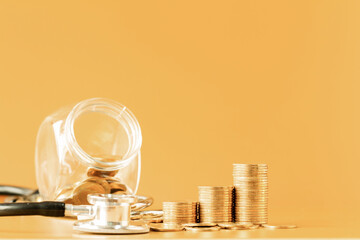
<point>46,208</point>
<point>15,191</point>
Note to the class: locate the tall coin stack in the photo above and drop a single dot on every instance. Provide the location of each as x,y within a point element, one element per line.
<point>251,193</point>
<point>180,212</point>
<point>215,204</point>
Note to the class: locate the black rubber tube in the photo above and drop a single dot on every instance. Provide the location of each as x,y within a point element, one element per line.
<point>13,190</point>
<point>52,209</point>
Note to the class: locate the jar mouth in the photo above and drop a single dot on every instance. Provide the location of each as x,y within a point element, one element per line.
<point>116,111</point>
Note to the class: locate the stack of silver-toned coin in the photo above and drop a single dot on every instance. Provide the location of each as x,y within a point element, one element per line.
<point>251,193</point>
<point>215,204</point>
<point>180,212</point>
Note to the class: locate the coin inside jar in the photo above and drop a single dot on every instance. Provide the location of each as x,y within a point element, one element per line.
<point>116,187</point>
<point>69,201</point>
<point>100,181</point>
<point>92,172</point>
<point>83,190</point>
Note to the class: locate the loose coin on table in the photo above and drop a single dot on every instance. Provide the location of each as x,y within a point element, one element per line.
<point>200,224</point>
<point>236,226</point>
<point>202,229</point>
<point>166,227</point>
<point>278,226</point>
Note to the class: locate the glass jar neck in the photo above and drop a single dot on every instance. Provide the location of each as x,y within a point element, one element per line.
<point>116,111</point>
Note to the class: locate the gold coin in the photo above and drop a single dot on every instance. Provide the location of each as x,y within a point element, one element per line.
<point>179,204</point>
<point>69,201</point>
<point>202,229</point>
<point>278,226</point>
<point>81,192</point>
<point>202,224</point>
<point>208,212</point>
<point>235,226</point>
<point>179,212</point>
<point>177,221</point>
<point>217,220</point>
<point>250,165</point>
<point>215,206</point>
<point>116,187</point>
<point>244,183</point>
<point>154,220</point>
<point>212,216</point>
<point>250,187</point>
<point>182,220</point>
<point>166,227</point>
<point>258,196</point>
<point>179,207</point>
<point>223,194</point>
<point>179,216</point>
<point>189,211</point>
<point>247,182</point>
<point>190,216</point>
<point>203,197</point>
<point>92,172</point>
<point>250,176</point>
<point>100,181</point>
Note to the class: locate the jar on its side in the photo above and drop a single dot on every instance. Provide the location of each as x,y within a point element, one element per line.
<point>91,147</point>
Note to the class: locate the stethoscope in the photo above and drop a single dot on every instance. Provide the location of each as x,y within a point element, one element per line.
<point>107,214</point>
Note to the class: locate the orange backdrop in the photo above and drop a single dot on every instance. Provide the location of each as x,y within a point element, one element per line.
<point>211,83</point>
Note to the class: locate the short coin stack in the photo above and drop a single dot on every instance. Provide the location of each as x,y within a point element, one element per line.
<point>251,193</point>
<point>180,212</point>
<point>215,204</point>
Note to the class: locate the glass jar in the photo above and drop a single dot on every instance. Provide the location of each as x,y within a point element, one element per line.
<point>91,147</point>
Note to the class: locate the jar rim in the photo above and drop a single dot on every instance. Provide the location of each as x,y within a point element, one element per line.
<point>116,111</point>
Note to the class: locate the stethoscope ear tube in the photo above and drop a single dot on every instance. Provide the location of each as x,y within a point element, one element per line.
<point>49,208</point>
<point>15,191</point>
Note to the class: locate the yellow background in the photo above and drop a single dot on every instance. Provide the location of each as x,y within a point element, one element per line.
<point>211,83</point>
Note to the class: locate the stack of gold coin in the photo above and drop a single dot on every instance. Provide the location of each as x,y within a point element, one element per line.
<point>215,204</point>
<point>180,212</point>
<point>251,193</point>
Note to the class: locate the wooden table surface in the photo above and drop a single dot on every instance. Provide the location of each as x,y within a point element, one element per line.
<point>37,227</point>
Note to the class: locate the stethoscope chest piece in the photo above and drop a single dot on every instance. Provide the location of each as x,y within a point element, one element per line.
<point>111,215</point>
